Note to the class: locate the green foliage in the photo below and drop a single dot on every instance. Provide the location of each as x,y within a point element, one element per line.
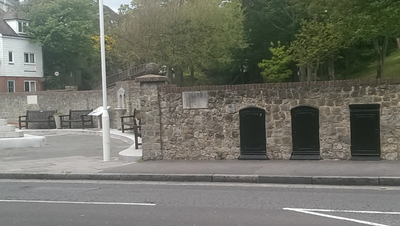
<point>64,29</point>
<point>276,69</point>
<point>315,42</point>
<point>371,21</point>
<point>181,34</point>
<point>324,35</point>
<point>368,71</point>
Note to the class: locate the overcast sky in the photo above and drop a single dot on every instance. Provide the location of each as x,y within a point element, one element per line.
<point>114,4</point>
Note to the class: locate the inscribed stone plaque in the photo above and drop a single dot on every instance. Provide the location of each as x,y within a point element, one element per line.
<point>32,99</point>
<point>195,100</point>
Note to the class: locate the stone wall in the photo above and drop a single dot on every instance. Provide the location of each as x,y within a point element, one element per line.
<point>150,114</point>
<point>132,100</point>
<point>213,132</point>
<point>203,122</point>
<point>13,105</point>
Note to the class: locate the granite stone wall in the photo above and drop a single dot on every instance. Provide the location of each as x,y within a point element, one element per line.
<point>213,132</point>
<point>203,122</point>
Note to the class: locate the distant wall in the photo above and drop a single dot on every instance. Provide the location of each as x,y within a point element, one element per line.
<point>13,105</point>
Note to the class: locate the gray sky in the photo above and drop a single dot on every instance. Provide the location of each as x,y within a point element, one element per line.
<point>114,4</point>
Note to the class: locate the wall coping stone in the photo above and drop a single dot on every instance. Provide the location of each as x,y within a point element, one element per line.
<point>151,78</point>
<point>335,83</point>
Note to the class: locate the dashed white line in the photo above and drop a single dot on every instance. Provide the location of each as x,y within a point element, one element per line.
<point>310,211</point>
<point>85,203</point>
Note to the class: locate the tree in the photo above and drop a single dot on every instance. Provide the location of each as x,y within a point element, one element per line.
<point>184,35</point>
<point>315,43</point>
<point>374,21</point>
<point>65,29</point>
<point>276,69</point>
<point>269,21</point>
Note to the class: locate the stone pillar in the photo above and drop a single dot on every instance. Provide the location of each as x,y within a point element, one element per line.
<point>150,114</point>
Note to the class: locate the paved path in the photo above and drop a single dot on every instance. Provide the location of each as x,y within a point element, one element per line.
<point>75,154</point>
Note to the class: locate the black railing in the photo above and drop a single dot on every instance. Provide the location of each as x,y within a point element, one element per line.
<point>128,74</point>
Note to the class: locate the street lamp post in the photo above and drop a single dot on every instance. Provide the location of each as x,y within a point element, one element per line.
<point>105,115</point>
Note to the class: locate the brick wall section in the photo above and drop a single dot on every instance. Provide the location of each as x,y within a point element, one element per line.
<point>213,133</point>
<point>19,83</point>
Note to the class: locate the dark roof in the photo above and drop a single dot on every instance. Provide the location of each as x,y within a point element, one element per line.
<point>5,29</point>
<point>14,16</point>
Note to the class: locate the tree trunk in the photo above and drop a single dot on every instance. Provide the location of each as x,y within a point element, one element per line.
<point>331,66</point>
<point>192,79</point>
<point>315,74</point>
<point>315,71</point>
<point>171,74</point>
<point>309,73</point>
<point>398,43</point>
<point>380,51</point>
<point>302,73</point>
<point>179,76</point>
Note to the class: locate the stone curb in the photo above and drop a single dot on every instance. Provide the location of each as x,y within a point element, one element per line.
<point>227,178</point>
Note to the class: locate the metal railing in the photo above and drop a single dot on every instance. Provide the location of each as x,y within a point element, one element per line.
<point>128,74</point>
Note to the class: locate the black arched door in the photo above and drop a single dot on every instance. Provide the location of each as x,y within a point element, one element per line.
<point>253,139</point>
<point>365,131</point>
<point>305,133</point>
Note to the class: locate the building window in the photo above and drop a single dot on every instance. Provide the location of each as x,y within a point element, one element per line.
<point>22,27</point>
<point>29,58</point>
<point>10,57</point>
<point>29,86</point>
<point>11,86</point>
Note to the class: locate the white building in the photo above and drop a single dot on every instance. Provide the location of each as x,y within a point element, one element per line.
<point>6,5</point>
<point>21,61</point>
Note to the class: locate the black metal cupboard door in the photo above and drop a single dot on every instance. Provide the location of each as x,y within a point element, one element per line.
<point>252,133</point>
<point>365,130</point>
<point>305,133</point>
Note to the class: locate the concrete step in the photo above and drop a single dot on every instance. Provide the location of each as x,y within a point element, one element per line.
<point>3,122</point>
<point>7,128</point>
<point>11,134</point>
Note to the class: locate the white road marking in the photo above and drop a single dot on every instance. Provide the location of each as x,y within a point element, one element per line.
<point>351,211</point>
<point>86,203</point>
<point>309,211</point>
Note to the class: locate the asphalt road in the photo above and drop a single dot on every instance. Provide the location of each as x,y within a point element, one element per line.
<point>51,203</point>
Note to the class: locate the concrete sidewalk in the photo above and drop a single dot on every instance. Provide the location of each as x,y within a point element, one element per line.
<point>76,154</point>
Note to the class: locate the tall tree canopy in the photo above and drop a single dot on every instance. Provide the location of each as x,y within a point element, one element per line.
<point>325,35</point>
<point>374,21</point>
<point>183,35</point>
<point>65,29</point>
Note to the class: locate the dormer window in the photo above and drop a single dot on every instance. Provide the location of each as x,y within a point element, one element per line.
<point>22,27</point>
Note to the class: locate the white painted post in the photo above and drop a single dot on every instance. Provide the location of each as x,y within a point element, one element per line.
<point>105,116</point>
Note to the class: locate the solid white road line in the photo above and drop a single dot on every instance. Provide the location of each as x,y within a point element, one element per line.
<point>334,217</point>
<point>86,203</point>
<point>350,211</point>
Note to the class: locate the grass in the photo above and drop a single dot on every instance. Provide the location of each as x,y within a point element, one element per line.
<point>391,68</point>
